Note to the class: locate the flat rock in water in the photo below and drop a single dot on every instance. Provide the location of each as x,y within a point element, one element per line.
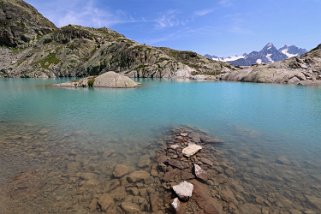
<point>105,202</point>
<point>200,173</point>
<point>205,201</point>
<point>139,176</point>
<point>184,190</point>
<point>120,170</point>
<point>210,140</point>
<point>113,80</point>
<point>206,161</point>
<point>130,208</point>
<point>177,164</point>
<point>191,150</point>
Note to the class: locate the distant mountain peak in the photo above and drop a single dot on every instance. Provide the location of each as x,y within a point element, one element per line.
<point>269,45</point>
<point>268,54</point>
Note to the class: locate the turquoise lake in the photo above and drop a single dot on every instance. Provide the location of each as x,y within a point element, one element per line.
<point>268,130</point>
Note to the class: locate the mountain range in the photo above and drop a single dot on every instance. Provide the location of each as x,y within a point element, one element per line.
<point>267,55</point>
<point>32,46</point>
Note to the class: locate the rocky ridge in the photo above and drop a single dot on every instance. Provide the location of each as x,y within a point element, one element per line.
<point>304,70</point>
<point>33,47</point>
<point>268,54</point>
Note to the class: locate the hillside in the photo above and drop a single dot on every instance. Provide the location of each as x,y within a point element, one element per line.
<point>31,46</point>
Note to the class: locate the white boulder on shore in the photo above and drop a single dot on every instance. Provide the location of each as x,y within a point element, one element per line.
<point>106,80</point>
<point>184,190</point>
<point>113,80</point>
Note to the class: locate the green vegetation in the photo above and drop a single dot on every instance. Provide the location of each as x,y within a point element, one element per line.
<point>51,59</point>
<point>91,82</point>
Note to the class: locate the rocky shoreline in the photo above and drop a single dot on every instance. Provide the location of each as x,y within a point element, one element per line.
<point>109,79</point>
<point>180,171</point>
<point>179,179</point>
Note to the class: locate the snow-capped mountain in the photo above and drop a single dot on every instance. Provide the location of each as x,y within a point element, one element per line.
<point>292,51</point>
<point>268,54</point>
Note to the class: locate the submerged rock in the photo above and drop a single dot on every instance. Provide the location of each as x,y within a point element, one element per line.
<point>139,176</point>
<point>184,190</point>
<point>130,208</point>
<point>191,150</point>
<point>144,161</point>
<point>120,170</point>
<point>177,164</point>
<point>105,202</point>
<point>200,173</point>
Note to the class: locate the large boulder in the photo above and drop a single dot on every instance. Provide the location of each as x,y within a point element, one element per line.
<point>113,80</point>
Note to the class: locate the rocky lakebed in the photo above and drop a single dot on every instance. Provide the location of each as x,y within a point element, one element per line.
<point>184,170</point>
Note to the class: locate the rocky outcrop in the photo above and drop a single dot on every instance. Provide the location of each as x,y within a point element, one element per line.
<point>42,50</point>
<point>113,80</point>
<point>305,70</point>
<point>183,178</point>
<point>106,80</point>
<point>21,24</point>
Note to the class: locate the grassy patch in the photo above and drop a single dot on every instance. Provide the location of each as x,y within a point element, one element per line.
<point>91,82</point>
<point>51,59</point>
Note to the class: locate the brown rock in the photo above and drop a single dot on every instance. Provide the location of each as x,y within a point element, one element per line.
<point>119,193</point>
<point>120,170</point>
<point>153,198</point>
<point>203,198</point>
<point>130,208</point>
<point>206,161</point>
<point>144,161</point>
<point>228,196</point>
<point>177,164</point>
<point>105,202</point>
<point>172,175</point>
<point>187,175</point>
<point>200,173</point>
<point>210,140</point>
<point>139,176</point>
<point>133,191</point>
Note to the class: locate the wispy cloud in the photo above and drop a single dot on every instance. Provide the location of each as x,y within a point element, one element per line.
<point>237,24</point>
<point>169,19</point>
<point>204,12</point>
<point>225,2</point>
<point>84,12</point>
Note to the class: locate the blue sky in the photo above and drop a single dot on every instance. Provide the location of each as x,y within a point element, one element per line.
<point>220,27</point>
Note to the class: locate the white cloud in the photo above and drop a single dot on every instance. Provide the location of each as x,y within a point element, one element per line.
<point>204,12</point>
<point>225,2</point>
